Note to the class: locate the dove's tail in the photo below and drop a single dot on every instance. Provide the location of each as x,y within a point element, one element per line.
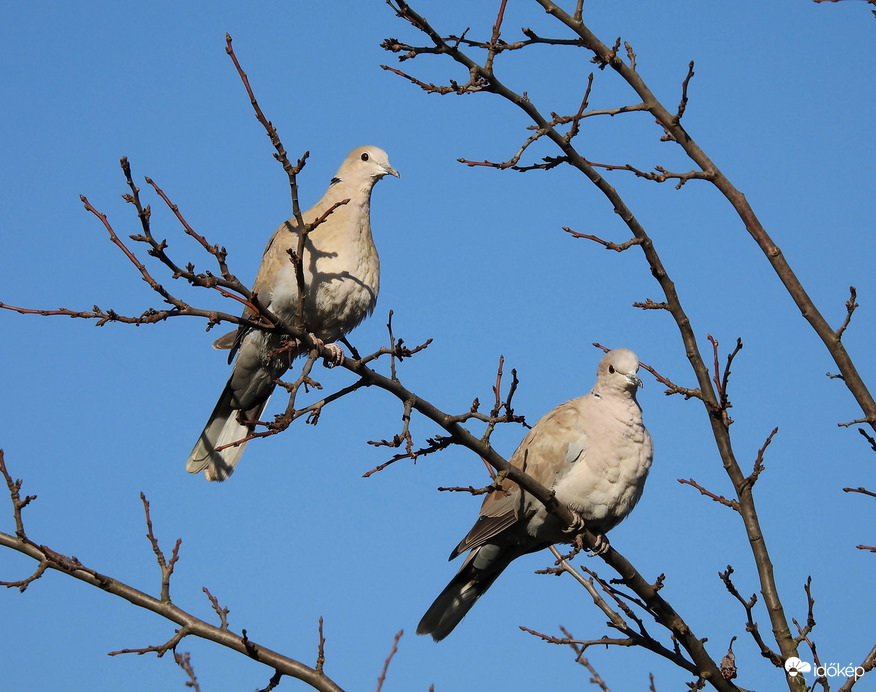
<point>476,575</point>
<point>215,452</point>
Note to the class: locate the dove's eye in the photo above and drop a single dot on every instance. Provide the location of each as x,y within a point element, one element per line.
<point>611,369</point>
<point>365,156</point>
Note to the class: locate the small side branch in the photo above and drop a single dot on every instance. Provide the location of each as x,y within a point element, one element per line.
<point>144,273</point>
<point>581,644</point>
<point>869,438</point>
<point>576,119</point>
<point>751,625</point>
<point>219,253</point>
<point>391,653</point>
<point>758,467</point>
<point>494,38</point>
<point>18,504</point>
<point>281,156</point>
<point>158,649</point>
<point>496,416</point>
<point>863,491</point>
<point>866,493</point>
<point>732,504</point>
<point>682,106</point>
<point>851,305</point>
<point>320,649</point>
<point>616,620</point>
<point>579,657</point>
<point>404,437</point>
<point>165,565</point>
<point>221,612</point>
<point>433,444</point>
<point>810,617</point>
<point>254,316</point>
<point>658,175</point>
<point>513,162</point>
<point>454,88</point>
<point>273,682</point>
<point>184,661</point>
<point>617,247</point>
<point>721,381</point>
<point>471,490</point>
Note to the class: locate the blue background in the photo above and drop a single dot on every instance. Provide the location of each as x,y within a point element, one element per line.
<point>782,101</point>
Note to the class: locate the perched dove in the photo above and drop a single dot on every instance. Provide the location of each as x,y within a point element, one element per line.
<point>341,273</point>
<point>594,452</point>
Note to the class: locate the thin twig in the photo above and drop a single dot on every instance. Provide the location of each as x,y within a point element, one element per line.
<point>388,659</point>
<point>758,462</point>
<point>732,504</point>
<point>579,657</point>
<point>751,625</point>
<point>165,565</point>
<point>221,612</point>
<point>184,661</point>
<point>851,305</point>
<point>863,491</point>
<point>320,651</point>
<point>281,156</point>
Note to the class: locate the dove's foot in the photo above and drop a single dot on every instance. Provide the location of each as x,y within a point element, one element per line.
<point>601,546</point>
<point>576,526</point>
<point>335,355</point>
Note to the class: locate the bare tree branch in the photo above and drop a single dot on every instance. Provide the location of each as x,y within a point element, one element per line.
<point>751,626</point>
<point>713,394</point>
<point>163,606</point>
<point>382,677</point>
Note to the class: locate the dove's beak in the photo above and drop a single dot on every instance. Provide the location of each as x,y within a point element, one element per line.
<point>634,379</point>
<point>389,170</point>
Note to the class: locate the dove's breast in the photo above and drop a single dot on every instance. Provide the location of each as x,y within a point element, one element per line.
<point>606,480</point>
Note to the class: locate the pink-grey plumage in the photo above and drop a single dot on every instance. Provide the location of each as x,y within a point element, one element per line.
<point>593,451</point>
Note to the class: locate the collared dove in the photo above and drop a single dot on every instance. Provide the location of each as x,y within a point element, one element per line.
<point>593,451</point>
<point>342,275</point>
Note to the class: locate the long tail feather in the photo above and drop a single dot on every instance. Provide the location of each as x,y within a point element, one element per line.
<point>210,454</point>
<point>463,591</point>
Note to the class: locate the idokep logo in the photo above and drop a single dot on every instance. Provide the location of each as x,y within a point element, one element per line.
<point>794,666</point>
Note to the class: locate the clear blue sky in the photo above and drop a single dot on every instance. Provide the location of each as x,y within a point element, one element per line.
<point>783,102</point>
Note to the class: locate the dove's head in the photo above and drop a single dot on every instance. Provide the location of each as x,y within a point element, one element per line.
<point>364,166</point>
<point>617,372</point>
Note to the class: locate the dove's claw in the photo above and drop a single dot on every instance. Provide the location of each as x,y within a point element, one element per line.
<point>601,546</point>
<point>577,525</point>
<point>337,355</point>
